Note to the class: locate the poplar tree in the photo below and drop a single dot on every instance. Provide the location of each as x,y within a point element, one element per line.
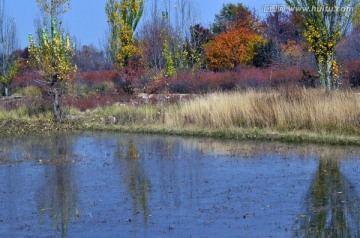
<point>325,23</point>
<point>123,19</point>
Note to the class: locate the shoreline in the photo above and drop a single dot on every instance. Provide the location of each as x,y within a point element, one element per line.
<point>299,116</point>
<point>31,127</point>
<point>240,134</point>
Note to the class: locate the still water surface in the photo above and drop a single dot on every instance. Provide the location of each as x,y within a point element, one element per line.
<point>124,185</point>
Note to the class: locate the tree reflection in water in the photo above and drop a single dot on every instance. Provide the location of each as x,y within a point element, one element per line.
<point>332,205</point>
<point>58,196</point>
<point>137,181</point>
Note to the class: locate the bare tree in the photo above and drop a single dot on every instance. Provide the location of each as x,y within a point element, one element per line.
<point>349,47</point>
<point>89,58</point>
<point>283,26</point>
<point>185,17</point>
<point>152,35</point>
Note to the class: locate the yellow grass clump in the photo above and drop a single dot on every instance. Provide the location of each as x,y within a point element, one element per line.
<point>286,109</point>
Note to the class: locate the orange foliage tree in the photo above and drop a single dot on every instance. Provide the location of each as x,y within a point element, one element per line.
<point>232,48</point>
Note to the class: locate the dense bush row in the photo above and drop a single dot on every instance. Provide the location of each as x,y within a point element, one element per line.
<point>113,84</point>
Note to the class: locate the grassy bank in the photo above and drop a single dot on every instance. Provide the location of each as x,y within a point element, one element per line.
<point>284,110</point>
<point>237,134</point>
<point>291,115</point>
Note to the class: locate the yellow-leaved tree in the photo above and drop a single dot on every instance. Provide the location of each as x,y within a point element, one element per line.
<point>52,55</point>
<point>325,23</point>
<point>123,19</point>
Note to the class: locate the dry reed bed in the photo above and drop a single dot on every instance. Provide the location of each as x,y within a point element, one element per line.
<point>287,109</point>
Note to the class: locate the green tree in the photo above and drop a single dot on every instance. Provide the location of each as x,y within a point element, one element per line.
<point>7,78</point>
<point>234,15</point>
<point>123,19</point>
<point>266,53</point>
<point>199,36</point>
<point>113,30</point>
<point>169,63</point>
<point>325,23</point>
<point>52,55</point>
<point>8,44</point>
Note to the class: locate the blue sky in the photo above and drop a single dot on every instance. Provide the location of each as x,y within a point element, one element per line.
<point>87,20</point>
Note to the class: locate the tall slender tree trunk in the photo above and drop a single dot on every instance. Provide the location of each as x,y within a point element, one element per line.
<point>57,111</point>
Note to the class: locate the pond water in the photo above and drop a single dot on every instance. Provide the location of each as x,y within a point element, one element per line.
<point>125,185</point>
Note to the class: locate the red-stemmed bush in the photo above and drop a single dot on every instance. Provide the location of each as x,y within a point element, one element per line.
<point>351,73</point>
<point>202,81</point>
<point>94,101</point>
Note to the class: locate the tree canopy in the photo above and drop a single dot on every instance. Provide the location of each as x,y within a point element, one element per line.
<point>123,19</point>
<point>52,55</point>
<point>234,15</point>
<point>325,24</point>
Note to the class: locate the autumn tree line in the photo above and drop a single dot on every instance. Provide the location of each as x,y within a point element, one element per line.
<point>163,46</point>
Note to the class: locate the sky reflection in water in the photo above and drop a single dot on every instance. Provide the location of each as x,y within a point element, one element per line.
<point>106,184</point>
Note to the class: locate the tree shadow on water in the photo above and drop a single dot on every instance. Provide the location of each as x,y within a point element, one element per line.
<point>137,181</point>
<point>58,197</point>
<point>331,205</point>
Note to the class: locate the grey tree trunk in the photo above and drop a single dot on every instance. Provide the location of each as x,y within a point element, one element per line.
<point>57,111</point>
<point>325,72</point>
<point>329,78</point>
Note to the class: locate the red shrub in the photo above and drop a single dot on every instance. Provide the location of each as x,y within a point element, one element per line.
<point>202,81</point>
<point>92,78</point>
<point>26,79</point>
<point>351,73</point>
<point>287,76</point>
<point>93,101</point>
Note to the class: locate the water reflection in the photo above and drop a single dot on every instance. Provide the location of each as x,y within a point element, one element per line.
<point>138,184</point>
<point>58,197</point>
<point>331,205</point>
<point>198,187</point>
<point>255,149</point>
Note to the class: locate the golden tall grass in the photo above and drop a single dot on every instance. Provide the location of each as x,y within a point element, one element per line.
<point>286,109</point>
